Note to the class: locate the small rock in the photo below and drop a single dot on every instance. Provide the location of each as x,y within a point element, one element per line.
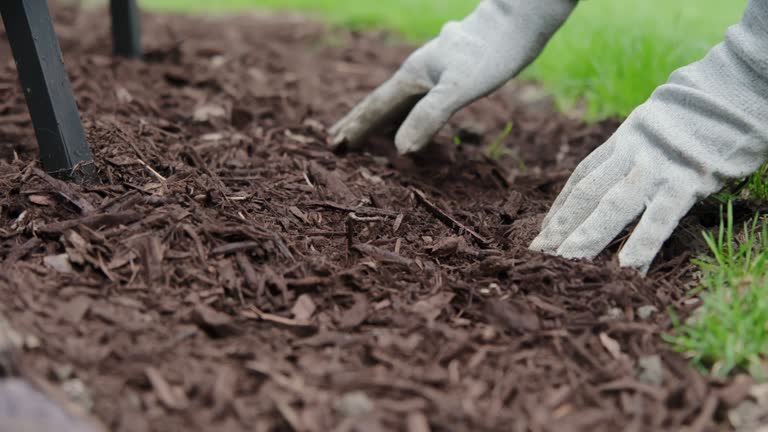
<point>650,370</point>
<point>645,312</point>
<point>218,61</point>
<point>613,314</point>
<point>354,404</point>
<point>60,263</point>
<point>42,200</point>
<point>760,393</point>
<point>211,137</point>
<point>123,95</point>
<point>488,333</point>
<point>207,112</point>
<point>32,342</point>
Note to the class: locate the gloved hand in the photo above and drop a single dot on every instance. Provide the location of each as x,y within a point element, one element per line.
<point>469,59</point>
<point>709,123</point>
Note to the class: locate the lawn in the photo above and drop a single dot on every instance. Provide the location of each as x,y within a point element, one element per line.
<point>611,53</point>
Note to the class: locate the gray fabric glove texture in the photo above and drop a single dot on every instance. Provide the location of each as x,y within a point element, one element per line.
<point>707,124</point>
<point>468,60</point>
<point>25,409</point>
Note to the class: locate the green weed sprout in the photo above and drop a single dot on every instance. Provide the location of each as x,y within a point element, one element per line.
<point>757,184</point>
<point>496,149</point>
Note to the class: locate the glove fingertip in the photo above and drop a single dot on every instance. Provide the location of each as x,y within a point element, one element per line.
<point>542,243</point>
<point>349,136</point>
<point>334,130</point>
<point>417,131</point>
<point>639,262</point>
<point>405,146</point>
<point>338,141</point>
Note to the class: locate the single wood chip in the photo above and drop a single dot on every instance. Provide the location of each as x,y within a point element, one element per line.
<point>372,211</point>
<point>431,307</point>
<point>42,200</point>
<point>237,247</point>
<point>224,388</point>
<point>447,219</point>
<point>611,345</point>
<point>172,398</point>
<point>398,222</point>
<point>255,313</point>
<point>67,192</point>
<point>249,273</point>
<point>215,323</point>
<point>417,422</point>
<point>303,309</point>
<point>299,214</point>
<point>102,220</point>
<point>355,315</point>
<point>382,255</point>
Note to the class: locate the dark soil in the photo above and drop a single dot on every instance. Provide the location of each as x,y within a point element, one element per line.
<point>228,272</point>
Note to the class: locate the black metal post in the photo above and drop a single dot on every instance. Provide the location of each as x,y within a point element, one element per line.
<point>64,150</point>
<point>126,28</point>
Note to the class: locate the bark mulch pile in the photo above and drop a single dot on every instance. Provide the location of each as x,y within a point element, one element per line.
<point>228,272</point>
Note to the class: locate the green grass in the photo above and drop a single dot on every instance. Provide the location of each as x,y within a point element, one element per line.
<point>729,331</point>
<point>614,53</point>
<point>757,184</point>
<point>611,53</point>
<point>754,187</point>
<point>422,22</point>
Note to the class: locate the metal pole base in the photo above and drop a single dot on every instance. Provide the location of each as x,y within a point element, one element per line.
<point>64,150</point>
<point>126,28</point>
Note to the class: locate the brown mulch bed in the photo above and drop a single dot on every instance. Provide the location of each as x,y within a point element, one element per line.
<point>228,272</point>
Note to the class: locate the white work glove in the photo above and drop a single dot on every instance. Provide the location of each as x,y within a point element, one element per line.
<point>708,124</point>
<point>469,59</point>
